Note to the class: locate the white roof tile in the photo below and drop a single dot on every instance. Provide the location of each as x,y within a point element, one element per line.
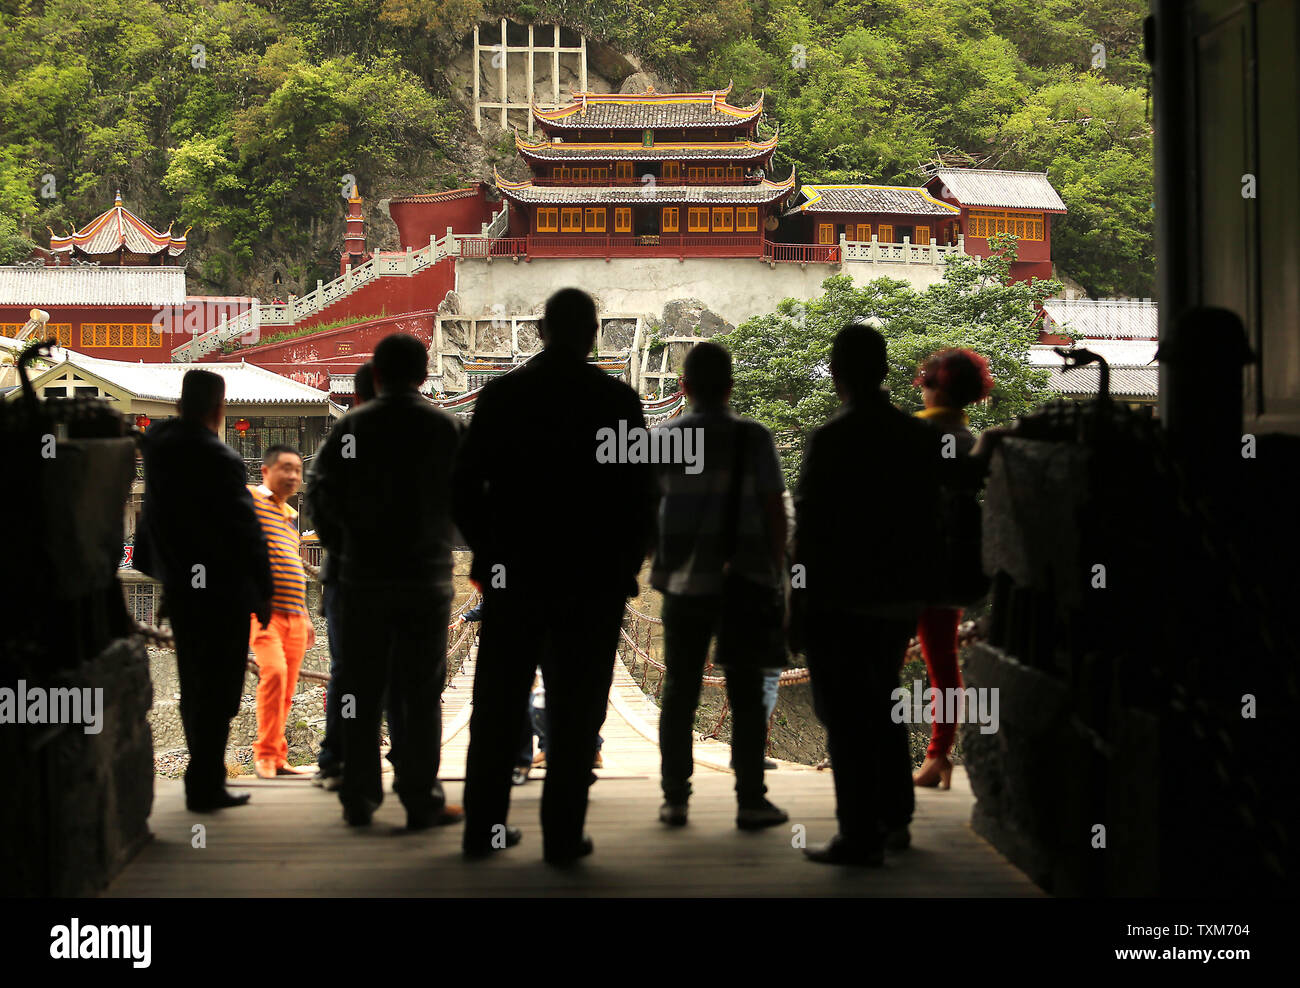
<point>78,285</point>
<point>1131,352</point>
<point>994,187</point>
<point>1125,382</point>
<point>1134,319</point>
<point>245,383</point>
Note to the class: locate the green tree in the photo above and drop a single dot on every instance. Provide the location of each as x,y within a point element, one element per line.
<point>781,361</point>
<point>1094,140</point>
<point>14,244</point>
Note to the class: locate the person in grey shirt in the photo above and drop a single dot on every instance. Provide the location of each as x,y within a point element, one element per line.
<point>689,571</point>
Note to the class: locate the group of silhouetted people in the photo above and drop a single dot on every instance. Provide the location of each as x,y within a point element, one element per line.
<point>399,482</point>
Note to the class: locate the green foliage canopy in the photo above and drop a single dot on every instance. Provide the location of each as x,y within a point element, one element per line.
<point>781,361</point>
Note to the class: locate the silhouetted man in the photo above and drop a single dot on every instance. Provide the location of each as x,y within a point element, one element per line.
<point>549,523</point>
<point>701,533</point>
<point>198,534</point>
<point>867,511</point>
<point>381,492</point>
<point>330,764</point>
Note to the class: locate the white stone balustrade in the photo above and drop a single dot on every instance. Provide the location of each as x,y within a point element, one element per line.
<point>904,253</point>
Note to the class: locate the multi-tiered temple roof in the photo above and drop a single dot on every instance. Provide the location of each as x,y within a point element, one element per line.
<point>546,151</point>
<point>637,111</point>
<point>118,236</point>
<point>647,173</point>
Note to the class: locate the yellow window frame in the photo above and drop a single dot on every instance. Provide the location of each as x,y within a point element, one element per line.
<point>62,331</point>
<point>1026,226</point>
<point>724,219</point>
<point>594,219</point>
<point>746,218</point>
<point>118,334</point>
<point>548,219</point>
<point>622,219</point>
<point>697,219</point>
<point>571,219</point>
<point>671,220</point>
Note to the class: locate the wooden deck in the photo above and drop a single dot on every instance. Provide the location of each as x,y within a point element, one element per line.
<point>292,841</point>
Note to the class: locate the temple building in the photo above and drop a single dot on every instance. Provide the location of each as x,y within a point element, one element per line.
<point>114,289</point>
<point>116,312</point>
<point>1123,332</point>
<point>646,175</point>
<point>957,208</point>
<point>994,201</point>
<point>890,213</point>
<point>118,237</point>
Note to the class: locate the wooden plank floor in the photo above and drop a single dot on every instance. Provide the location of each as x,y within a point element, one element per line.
<point>292,841</point>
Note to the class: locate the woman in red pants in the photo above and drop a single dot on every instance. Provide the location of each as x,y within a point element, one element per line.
<point>949,381</point>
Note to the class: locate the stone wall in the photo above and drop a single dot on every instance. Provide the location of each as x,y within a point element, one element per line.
<point>77,805</point>
<point>734,288</point>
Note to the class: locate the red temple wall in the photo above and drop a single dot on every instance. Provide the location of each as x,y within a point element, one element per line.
<point>311,359</point>
<point>520,221</point>
<point>1027,250</point>
<point>417,221</point>
<point>113,314</point>
<point>388,295</point>
<point>851,220</point>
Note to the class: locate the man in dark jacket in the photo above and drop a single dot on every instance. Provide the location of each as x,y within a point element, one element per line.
<point>549,522</point>
<point>330,761</point>
<point>865,542</point>
<point>381,493</point>
<point>198,534</point>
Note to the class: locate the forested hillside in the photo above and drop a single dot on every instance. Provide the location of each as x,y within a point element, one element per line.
<point>241,117</point>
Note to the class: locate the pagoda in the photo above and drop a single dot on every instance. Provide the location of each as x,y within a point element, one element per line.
<point>354,242</point>
<point>117,237</point>
<point>646,175</point>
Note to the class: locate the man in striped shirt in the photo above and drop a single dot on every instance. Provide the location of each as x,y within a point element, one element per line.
<point>280,646</point>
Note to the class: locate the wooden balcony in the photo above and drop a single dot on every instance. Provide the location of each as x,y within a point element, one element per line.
<point>605,183</point>
<point>617,245</point>
<point>801,253</point>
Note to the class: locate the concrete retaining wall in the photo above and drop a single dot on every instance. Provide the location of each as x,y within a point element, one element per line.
<point>734,288</point>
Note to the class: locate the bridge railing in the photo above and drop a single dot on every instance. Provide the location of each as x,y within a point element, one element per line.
<point>641,649</point>
<point>144,598</point>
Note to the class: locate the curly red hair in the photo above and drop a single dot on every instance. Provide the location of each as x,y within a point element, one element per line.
<point>959,374</point>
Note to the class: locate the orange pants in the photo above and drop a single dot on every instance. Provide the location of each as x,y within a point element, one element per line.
<point>278,649</point>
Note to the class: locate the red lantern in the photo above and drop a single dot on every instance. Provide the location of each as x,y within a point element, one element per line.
<point>242,426</point>
<point>142,422</point>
